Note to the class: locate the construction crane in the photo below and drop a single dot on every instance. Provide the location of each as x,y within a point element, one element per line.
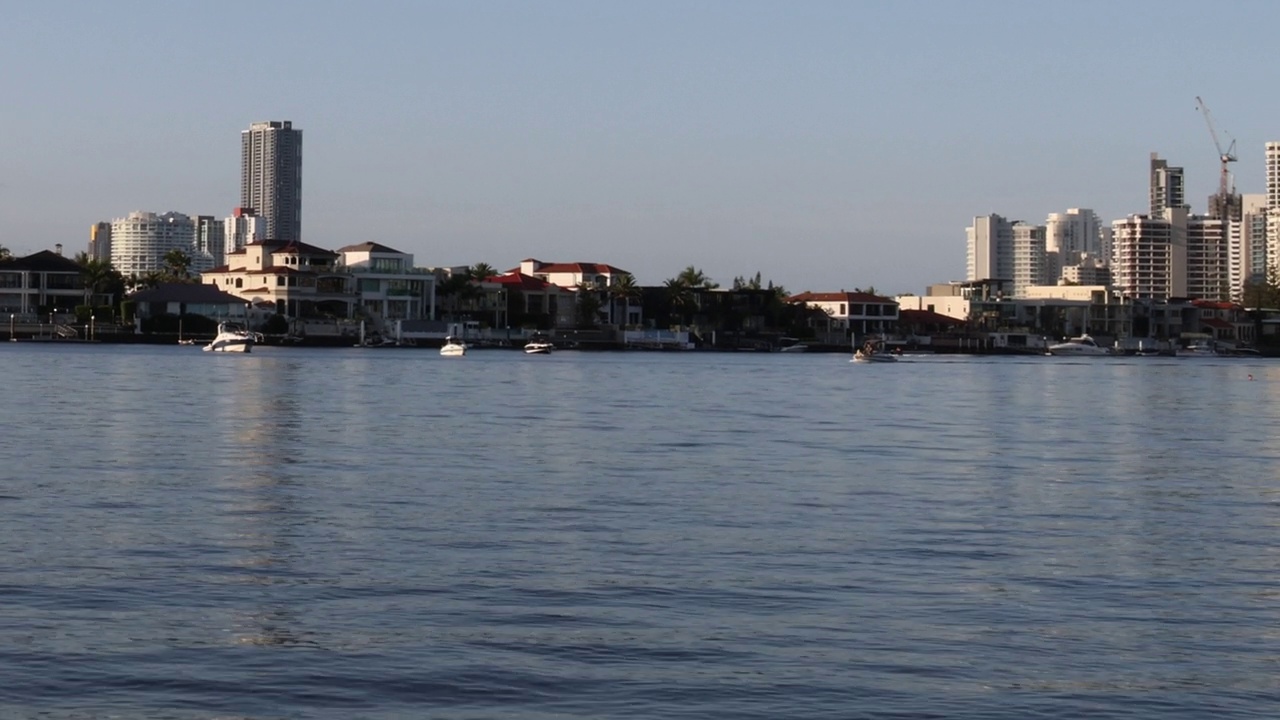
<point>1225,186</point>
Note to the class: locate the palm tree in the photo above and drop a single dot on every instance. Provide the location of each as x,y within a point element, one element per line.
<point>588,303</point>
<point>176,264</point>
<point>694,278</point>
<point>624,288</point>
<point>680,295</point>
<point>481,272</point>
<point>98,278</point>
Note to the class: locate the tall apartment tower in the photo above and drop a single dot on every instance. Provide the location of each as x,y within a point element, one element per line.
<point>990,249</point>
<point>1149,255</point>
<point>271,176</point>
<point>100,241</point>
<point>1029,267</point>
<point>1167,188</point>
<point>1273,175</point>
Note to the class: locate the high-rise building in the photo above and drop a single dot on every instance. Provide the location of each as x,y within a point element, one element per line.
<point>100,241</point>
<point>1069,237</point>
<point>1208,258</point>
<point>1167,188</point>
<point>209,248</point>
<point>1273,175</point>
<point>1149,255</point>
<point>990,249</point>
<point>243,227</point>
<point>1029,266</point>
<point>140,240</point>
<point>271,176</point>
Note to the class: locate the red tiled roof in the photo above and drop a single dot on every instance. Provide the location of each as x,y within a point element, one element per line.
<point>521,281</point>
<point>219,269</point>
<point>850,297</point>
<point>1216,305</point>
<point>926,317</point>
<point>1218,323</point>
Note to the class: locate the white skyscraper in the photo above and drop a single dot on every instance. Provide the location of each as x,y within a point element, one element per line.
<point>140,240</point>
<point>990,249</point>
<point>1029,267</point>
<point>271,176</point>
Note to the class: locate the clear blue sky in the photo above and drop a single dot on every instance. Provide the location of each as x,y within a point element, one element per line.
<point>827,144</point>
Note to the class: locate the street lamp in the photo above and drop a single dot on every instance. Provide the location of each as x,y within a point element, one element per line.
<point>12,337</point>
<point>91,327</point>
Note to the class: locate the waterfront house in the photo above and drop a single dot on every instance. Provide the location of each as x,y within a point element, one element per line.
<point>1220,321</point>
<point>515,299</point>
<point>389,286</point>
<point>40,283</point>
<point>187,299</point>
<point>855,312</point>
<point>591,277</point>
<point>293,278</point>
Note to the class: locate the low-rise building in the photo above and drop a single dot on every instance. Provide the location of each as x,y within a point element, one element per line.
<point>857,312</point>
<point>43,282</point>
<point>297,280</point>
<point>388,284</point>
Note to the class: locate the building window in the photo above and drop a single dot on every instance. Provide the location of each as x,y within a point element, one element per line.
<point>239,282</point>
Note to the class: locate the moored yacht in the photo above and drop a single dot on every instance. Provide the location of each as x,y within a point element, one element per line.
<point>453,347</point>
<point>231,338</point>
<point>1083,345</point>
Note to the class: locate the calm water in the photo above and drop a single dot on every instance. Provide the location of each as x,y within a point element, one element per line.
<point>386,534</point>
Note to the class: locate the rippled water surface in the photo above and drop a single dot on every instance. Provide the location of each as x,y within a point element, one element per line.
<point>384,534</point>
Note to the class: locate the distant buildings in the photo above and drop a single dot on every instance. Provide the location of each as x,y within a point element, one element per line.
<point>271,176</point>
<point>140,240</point>
<point>241,228</point>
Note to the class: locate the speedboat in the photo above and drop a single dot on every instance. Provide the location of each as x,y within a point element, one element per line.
<point>870,353</point>
<point>792,345</point>
<point>231,338</point>
<point>539,346</point>
<point>453,347</point>
<point>1083,345</point>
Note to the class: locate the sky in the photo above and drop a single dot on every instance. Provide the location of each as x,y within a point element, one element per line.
<point>826,145</point>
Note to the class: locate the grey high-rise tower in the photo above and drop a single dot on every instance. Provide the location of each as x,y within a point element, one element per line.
<point>271,176</point>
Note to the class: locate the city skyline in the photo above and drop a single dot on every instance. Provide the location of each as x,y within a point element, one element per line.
<point>827,145</point>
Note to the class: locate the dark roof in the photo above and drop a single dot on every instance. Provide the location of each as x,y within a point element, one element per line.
<point>43,261</point>
<point>189,293</point>
<point>301,248</point>
<point>926,317</point>
<point>370,247</point>
<point>851,297</point>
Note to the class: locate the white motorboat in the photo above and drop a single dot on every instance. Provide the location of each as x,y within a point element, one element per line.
<point>231,338</point>
<point>539,346</point>
<point>1083,345</point>
<point>792,345</point>
<point>1198,348</point>
<point>453,347</point>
